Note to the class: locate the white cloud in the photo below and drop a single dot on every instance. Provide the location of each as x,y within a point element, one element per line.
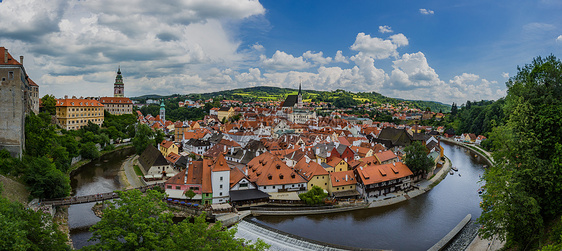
<point>258,47</point>
<point>379,48</point>
<point>505,74</point>
<point>385,29</point>
<point>538,27</point>
<point>559,39</point>
<point>340,58</point>
<point>412,71</point>
<point>426,12</point>
<point>283,61</point>
<point>317,58</point>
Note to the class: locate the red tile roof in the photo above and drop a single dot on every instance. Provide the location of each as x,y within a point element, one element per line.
<point>268,169</point>
<point>76,102</point>
<point>385,156</point>
<point>310,169</point>
<point>220,164</point>
<point>344,178</point>
<point>166,144</point>
<point>379,173</point>
<point>115,100</point>
<point>11,60</point>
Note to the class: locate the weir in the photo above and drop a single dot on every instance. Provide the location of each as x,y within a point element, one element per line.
<point>283,241</point>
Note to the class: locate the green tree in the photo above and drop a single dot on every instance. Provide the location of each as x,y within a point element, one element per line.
<point>143,137</point>
<point>89,151</point>
<point>44,179</point>
<point>138,222</point>
<point>314,196</point>
<point>49,104</point>
<point>416,158</point>
<point>189,193</point>
<point>25,229</point>
<point>530,154</point>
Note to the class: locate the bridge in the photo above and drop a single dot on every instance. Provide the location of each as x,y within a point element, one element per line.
<point>93,197</point>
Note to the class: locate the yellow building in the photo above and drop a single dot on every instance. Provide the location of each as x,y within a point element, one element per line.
<point>313,173</point>
<point>225,112</point>
<point>343,184</point>
<point>167,147</point>
<point>117,105</point>
<point>338,164</point>
<point>74,113</point>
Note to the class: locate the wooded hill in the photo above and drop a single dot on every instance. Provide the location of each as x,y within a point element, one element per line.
<point>338,98</point>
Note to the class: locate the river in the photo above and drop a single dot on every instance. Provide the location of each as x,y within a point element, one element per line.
<point>416,224</point>
<point>98,176</point>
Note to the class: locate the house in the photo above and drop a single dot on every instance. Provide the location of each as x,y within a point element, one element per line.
<point>449,133</point>
<point>479,139</point>
<point>197,177</point>
<point>167,147</point>
<point>154,165</point>
<point>392,137</point>
<point>271,175</point>
<point>342,151</point>
<point>343,185</point>
<point>386,157</point>
<point>313,172</point>
<point>378,180</point>
<point>220,180</point>
<point>338,164</point>
<point>362,152</point>
<point>196,146</point>
<point>225,113</point>
<point>243,191</point>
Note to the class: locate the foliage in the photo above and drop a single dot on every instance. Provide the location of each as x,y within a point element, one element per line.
<point>524,189</point>
<point>416,158</point>
<point>137,222</point>
<point>189,193</point>
<point>314,196</point>
<point>143,137</point>
<point>25,229</point>
<point>89,151</point>
<point>44,179</point>
<point>49,104</point>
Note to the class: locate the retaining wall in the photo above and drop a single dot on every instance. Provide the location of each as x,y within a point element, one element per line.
<point>443,242</point>
<point>307,212</point>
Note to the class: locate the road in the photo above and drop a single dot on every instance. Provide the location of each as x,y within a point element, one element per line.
<point>130,174</point>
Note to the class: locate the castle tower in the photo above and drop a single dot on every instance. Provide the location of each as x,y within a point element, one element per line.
<point>162,112</point>
<point>118,87</point>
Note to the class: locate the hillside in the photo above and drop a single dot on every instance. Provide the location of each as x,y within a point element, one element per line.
<point>341,97</point>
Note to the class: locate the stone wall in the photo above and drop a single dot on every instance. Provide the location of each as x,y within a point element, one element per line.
<point>12,109</point>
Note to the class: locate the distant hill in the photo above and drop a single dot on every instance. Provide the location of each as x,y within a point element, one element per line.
<point>269,93</point>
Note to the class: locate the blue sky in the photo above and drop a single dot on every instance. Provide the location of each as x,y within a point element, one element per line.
<point>447,51</point>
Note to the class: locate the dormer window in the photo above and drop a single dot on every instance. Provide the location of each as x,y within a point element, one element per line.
<point>278,166</point>
<point>269,177</point>
<point>280,176</point>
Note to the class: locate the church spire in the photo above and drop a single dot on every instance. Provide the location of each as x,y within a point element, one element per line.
<point>118,86</point>
<point>300,92</point>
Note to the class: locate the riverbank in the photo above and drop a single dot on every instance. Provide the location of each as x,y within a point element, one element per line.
<point>473,148</point>
<point>78,165</point>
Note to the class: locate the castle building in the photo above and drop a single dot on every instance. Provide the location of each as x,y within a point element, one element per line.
<point>74,113</point>
<point>117,105</point>
<point>15,103</point>
<point>118,87</point>
<point>293,108</point>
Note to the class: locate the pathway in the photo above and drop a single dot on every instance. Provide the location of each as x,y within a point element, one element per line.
<point>128,167</point>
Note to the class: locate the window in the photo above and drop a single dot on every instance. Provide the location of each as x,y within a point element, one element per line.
<point>338,188</point>
<point>220,194</point>
<point>10,75</point>
<point>169,186</point>
<point>221,179</point>
<point>178,188</point>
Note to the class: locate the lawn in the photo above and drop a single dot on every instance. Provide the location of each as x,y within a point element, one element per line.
<point>137,170</point>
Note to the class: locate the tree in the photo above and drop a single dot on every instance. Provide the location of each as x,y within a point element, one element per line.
<point>89,151</point>
<point>44,179</point>
<point>137,222</point>
<point>454,109</point>
<point>25,229</point>
<point>189,193</point>
<point>416,158</point>
<point>49,104</point>
<point>530,154</point>
<point>143,137</point>
<point>314,196</point>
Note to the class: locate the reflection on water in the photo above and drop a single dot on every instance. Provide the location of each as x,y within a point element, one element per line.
<point>98,176</point>
<point>415,224</point>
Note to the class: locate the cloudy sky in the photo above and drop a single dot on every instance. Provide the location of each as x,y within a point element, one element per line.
<point>441,50</point>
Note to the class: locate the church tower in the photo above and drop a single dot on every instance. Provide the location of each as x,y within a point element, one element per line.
<point>162,112</point>
<point>299,98</point>
<point>118,87</point>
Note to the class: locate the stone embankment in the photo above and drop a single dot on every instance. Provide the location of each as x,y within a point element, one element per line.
<point>480,152</point>
<point>440,245</point>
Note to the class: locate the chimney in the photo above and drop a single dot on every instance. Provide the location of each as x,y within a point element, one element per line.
<point>21,59</point>
<point>65,96</point>
<point>5,56</point>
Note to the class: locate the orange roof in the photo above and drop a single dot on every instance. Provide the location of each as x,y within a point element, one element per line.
<point>386,155</point>
<point>335,161</point>
<point>206,185</point>
<point>268,169</point>
<point>344,178</point>
<point>73,102</point>
<point>220,164</point>
<point>166,144</point>
<point>31,82</point>
<point>370,160</point>
<point>177,179</point>
<point>310,169</point>
<point>115,100</point>
<point>173,157</point>
<point>235,176</point>
<point>379,173</point>
<point>11,60</point>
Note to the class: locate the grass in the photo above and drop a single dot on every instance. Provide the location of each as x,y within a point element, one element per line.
<point>13,190</point>
<point>137,170</point>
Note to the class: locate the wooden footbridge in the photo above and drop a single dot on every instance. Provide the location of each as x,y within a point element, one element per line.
<point>93,197</point>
